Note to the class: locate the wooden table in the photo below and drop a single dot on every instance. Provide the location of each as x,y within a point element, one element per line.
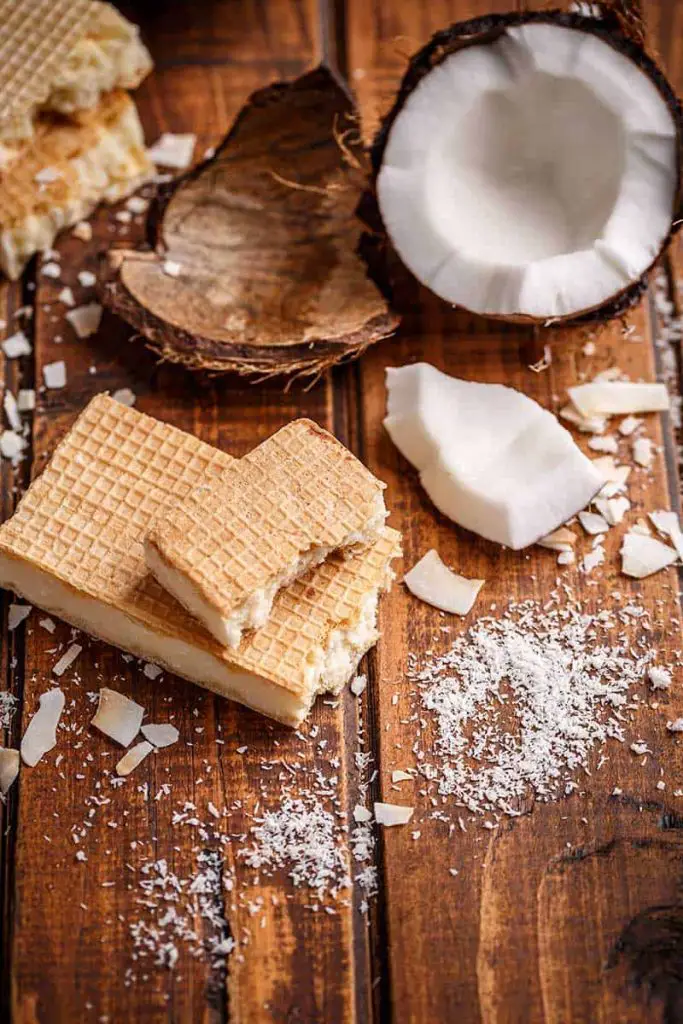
<point>527,931</point>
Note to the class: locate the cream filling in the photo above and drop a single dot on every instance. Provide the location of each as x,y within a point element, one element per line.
<point>191,660</point>
<point>112,169</point>
<point>255,611</point>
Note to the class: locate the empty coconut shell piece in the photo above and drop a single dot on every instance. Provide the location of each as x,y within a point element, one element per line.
<point>530,166</point>
<point>254,265</point>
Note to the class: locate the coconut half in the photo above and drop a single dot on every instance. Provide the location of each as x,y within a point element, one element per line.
<point>489,457</point>
<point>530,167</point>
<point>254,263</point>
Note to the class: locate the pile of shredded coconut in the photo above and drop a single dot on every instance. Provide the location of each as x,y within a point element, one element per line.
<point>521,701</point>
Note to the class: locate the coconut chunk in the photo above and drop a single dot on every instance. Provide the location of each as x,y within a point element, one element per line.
<point>613,509</point>
<point>611,473</point>
<point>490,458</point>
<point>434,583</point>
<point>67,659</point>
<point>392,814</point>
<point>82,231</point>
<point>85,320</point>
<point>173,150</point>
<point>11,408</point>
<point>171,268</point>
<point>667,524</point>
<point>41,732</point>
<point>16,615</point>
<point>643,452</point>
<point>361,813</point>
<point>118,717</point>
<point>593,523</point>
<point>52,270</point>
<point>562,539</point>
<point>137,204</point>
<point>86,278</point>
<point>676,725</point>
<point>400,776</point>
<point>566,558</point>
<point>608,444</point>
<point>610,398</point>
<point>162,735</point>
<point>642,556</point>
<point>16,345</point>
<point>66,297</point>
<point>26,400</point>
<point>12,445</point>
<point>132,758</point>
<point>54,374</point>
<point>358,685</point>
<point>628,425</point>
<point>593,559</point>
<point>586,424</point>
<point>9,768</point>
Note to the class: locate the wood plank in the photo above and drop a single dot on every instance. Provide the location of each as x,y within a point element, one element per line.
<point>526,929</point>
<point>68,962</point>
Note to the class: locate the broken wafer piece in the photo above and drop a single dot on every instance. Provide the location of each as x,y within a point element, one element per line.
<point>74,547</point>
<point>227,549</point>
<point>60,175</point>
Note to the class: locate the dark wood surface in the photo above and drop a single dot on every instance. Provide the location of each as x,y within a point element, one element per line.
<point>526,930</point>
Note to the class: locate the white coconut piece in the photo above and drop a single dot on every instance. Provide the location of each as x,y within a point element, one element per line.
<point>118,716</point>
<point>9,768</point>
<point>82,231</point>
<point>137,204</point>
<point>566,558</point>
<point>593,559</point>
<point>12,445</point>
<point>612,398</point>
<point>675,726</point>
<point>593,523</point>
<point>132,758</point>
<point>125,396</point>
<point>392,814</point>
<point>41,732</point>
<point>26,400</point>
<point>47,624</point>
<point>17,614</point>
<point>608,444</point>
<point>434,583</point>
<point>152,671</point>
<point>86,278</point>
<point>67,659</point>
<point>533,174</point>
<point>9,404</point>
<point>54,374</point>
<point>162,735</point>
<point>611,473</point>
<point>66,297</point>
<point>586,424</point>
<point>660,678</point>
<point>361,813</point>
<point>562,539</point>
<point>85,320</point>
<point>171,268</point>
<point>642,556</point>
<point>400,776</point>
<point>613,509</point>
<point>643,452</point>
<point>490,458</point>
<point>16,345</point>
<point>358,685</point>
<point>52,270</point>
<point>173,150</point>
<point>666,523</point>
<point>628,425</point>
<point>641,527</point>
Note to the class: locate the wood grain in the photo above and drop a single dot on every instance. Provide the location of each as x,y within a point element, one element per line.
<point>526,928</point>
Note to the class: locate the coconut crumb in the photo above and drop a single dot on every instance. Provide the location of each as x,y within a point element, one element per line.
<point>85,320</point>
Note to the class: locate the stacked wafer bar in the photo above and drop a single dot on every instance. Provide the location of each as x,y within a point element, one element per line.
<point>70,135</point>
<point>75,547</point>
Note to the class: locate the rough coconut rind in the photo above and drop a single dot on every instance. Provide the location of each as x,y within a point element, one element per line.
<point>637,221</point>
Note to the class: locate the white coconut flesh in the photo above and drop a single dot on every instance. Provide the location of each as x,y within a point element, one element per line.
<point>534,175</point>
<point>489,457</point>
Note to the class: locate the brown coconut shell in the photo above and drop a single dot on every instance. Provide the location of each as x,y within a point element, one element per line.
<point>268,240</point>
<point>621,27</point>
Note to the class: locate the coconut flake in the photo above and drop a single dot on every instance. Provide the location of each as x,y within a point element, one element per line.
<point>152,671</point>
<point>566,558</point>
<point>41,732</point>
<point>51,270</point>
<point>593,559</point>
<point>660,678</point>
<point>610,398</point>
<point>171,268</point>
<point>125,396</point>
<point>46,175</point>
<point>433,582</point>
<point>361,813</point>
<point>173,150</point>
<point>593,523</point>
<point>627,426</point>
<point>54,374</point>
<point>562,539</point>
<point>358,685</point>
<point>643,452</point>
<point>613,509</point>
<point>67,659</point>
<point>137,204</point>
<point>16,615</point>
<point>9,768</point>
<point>608,443</point>
<point>12,445</point>
<point>16,345</point>
<point>86,278</point>
<point>85,320</point>
<point>132,758</point>
<point>26,400</point>
<point>400,776</point>
<point>66,297</point>
<point>586,424</point>
<point>667,524</point>
<point>392,814</point>
<point>82,231</point>
<point>11,408</point>
<point>642,556</point>
<point>162,735</point>
<point>118,717</point>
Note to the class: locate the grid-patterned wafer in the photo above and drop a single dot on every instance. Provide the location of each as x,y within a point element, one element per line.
<point>57,177</point>
<point>36,36</point>
<point>233,543</point>
<point>75,547</point>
